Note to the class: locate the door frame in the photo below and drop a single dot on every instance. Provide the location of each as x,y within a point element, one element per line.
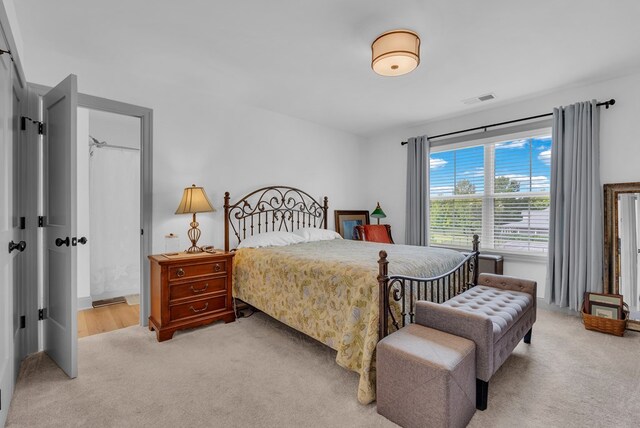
<point>146,183</point>
<point>146,178</point>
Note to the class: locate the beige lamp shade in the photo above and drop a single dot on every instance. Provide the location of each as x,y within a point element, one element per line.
<point>194,200</point>
<point>395,53</point>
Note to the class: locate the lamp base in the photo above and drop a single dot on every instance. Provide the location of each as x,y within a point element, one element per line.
<point>194,235</point>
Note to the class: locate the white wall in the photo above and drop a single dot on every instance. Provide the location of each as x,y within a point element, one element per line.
<point>10,10</point>
<point>208,139</point>
<point>620,149</point>
<point>238,148</point>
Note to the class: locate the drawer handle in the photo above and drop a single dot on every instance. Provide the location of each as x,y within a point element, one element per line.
<point>195,311</point>
<point>200,290</point>
<point>180,273</point>
<point>217,267</point>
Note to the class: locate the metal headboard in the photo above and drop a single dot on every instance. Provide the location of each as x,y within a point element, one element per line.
<point>269,209</point>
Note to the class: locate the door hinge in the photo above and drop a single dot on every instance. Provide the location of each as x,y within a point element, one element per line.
<point>23,124</point>
<point>23,321</point>
<point>23,223</point>
<point>141,231</point>
<point>40,221</point>
<point>42,314</point>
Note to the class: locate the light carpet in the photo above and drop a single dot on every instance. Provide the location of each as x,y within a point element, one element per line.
<point>258,372</point>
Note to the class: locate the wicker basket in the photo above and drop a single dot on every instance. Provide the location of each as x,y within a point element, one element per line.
<point>605,325</point>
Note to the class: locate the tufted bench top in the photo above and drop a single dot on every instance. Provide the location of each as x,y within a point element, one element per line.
<point>503,307</point>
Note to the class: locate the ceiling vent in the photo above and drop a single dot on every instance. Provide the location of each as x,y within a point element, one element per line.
<point>479,99</point>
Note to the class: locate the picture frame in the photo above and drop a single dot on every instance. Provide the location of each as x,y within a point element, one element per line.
<point>606,311</point>
<point>605,305</point>
<point>347,220</point>
<point>608,299</point>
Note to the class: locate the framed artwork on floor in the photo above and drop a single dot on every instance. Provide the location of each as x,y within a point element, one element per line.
<point>346,222</point>
<point>606,311</point>
<point>605,305</point>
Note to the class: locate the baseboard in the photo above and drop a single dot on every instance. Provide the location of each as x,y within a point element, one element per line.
<point>114,293</point>
<point>84,303</point>
<point>542,304</point>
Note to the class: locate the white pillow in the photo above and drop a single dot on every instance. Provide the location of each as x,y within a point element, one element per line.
<point>271,239</point>
<point>312,234</point>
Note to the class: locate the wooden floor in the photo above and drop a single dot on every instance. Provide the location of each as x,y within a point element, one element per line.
<point>107,318</point>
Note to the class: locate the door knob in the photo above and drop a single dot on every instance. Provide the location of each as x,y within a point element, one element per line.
<point>20,246</point>
<point>60,242</point>
<point>83,240</point>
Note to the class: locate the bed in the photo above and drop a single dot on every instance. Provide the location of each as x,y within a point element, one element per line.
<point>329,289</point>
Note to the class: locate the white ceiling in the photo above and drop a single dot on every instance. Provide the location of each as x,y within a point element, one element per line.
<point>311,58</point>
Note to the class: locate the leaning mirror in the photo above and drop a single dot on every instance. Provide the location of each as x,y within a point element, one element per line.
<point>622,246</point>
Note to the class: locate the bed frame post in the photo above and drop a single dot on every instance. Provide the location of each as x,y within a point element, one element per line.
<point>226,221</point>
<point>325,209</point>
<point>383,296</point>
<point>476,261</point>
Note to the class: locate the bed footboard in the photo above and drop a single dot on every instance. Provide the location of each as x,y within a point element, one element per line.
<point>398,294</point>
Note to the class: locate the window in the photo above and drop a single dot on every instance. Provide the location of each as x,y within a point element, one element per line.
<point>498,190</point>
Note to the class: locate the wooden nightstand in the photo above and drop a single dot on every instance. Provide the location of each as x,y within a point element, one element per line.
<point>189,291</point>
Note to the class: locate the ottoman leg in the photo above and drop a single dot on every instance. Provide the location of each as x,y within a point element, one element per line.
<point>482,394</point>
<point>527,337</point>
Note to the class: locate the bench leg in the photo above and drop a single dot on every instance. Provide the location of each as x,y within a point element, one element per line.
<point>482,394</point>
<point>527,337</point>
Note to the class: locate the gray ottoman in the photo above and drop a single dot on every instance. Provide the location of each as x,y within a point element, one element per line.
<point>426,378</point>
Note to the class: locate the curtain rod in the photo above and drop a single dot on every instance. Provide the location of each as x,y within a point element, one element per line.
<point>606,105</point>
<point>109,146</point>
<point>102,144</point>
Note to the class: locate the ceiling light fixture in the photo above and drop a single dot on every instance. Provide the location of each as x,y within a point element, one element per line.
<point>395,53</point>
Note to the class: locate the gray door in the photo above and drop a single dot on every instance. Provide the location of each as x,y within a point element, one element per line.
<point>8,233</point>
<point>60,106</point>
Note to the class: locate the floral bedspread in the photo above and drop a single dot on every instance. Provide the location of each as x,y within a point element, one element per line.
<point>329,291</point>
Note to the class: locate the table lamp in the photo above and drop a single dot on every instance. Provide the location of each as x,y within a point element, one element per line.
<point>378,213</point>
<point>194,200</point>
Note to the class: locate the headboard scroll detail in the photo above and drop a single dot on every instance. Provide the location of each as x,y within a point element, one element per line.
<point>270,209</point>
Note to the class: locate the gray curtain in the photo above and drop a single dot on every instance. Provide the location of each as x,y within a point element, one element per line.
<point>575,221</point>
<point>417,218</point>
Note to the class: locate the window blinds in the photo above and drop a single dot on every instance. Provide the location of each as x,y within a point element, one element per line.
<point>499,191</point>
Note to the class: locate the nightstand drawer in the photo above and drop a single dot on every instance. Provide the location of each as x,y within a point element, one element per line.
<point>198,308</point>
<point>177,273</point>
<point>197,288</point>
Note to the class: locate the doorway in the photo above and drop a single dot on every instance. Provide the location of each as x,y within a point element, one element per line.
<point>60,241</point>
<point>109,221</point>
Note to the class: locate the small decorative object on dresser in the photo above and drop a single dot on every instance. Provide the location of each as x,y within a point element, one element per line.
<point>189,290</point>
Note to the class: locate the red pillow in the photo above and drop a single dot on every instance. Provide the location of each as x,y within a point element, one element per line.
<point>376,233</point>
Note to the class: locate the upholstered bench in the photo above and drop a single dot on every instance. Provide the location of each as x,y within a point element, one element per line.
<point>496,314</point>
<point>426,378</point>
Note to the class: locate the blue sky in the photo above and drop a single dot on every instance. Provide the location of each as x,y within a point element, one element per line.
<point>517,159</point>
